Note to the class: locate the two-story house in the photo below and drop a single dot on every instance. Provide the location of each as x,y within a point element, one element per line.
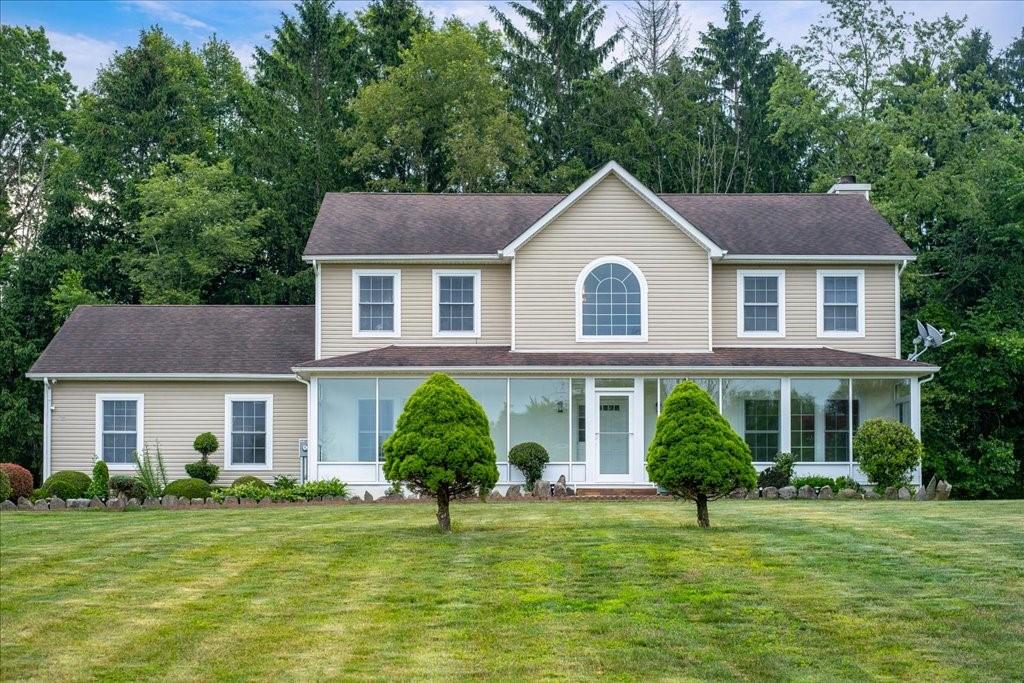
<point>568,317</point>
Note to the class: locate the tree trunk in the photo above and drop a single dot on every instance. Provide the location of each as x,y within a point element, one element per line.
<point>444,519</point>
<point>702,512</point>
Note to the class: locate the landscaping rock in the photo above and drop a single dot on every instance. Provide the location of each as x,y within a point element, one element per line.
<point>738,493</point>
<point>787,492</point>
<point>78,503</point>
<point>770,492</point>
<point>132,505</point>
<point>57,503</point>
<point>825,493</point>
<point>561,480</point>
<point>368,497</point>
<point>847,493</point>
<point>8,505</point>
<point>199,501</point>
<point>514,491</point>
<point>753,494</point>
<point>230,501</point>
<point>96,504</point>
<point>570,491</point>
<point>115,503</point>
<point>871,495</point>
<point>246,502</point>
<point>151,502</point>
<point>169,501</point>
<point>890,493</point>
<point>41,505</point>
<point>265,500</point>
<point>922,493</point>
<point>494,495</point>
<point>930,490</point>
<point>805,492</point>
<point>942,490</point>
<point>355,499</point>
<point>24,503</point>
<point>903,493</point>
<point>542,489</point>
<point>209,501</point>
<point>559,489</point>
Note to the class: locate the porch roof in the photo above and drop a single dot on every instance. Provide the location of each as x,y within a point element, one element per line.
<point>481,357</point>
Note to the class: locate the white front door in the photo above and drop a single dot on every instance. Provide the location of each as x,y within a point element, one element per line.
<point>614,437</point>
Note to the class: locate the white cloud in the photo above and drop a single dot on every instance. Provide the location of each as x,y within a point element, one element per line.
<point>163,10</point>
<point>84,55</point>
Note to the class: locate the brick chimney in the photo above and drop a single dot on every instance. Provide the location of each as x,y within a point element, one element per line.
<point>847,184</point>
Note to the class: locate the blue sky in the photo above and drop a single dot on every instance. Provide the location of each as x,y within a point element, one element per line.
<point>88,32</point>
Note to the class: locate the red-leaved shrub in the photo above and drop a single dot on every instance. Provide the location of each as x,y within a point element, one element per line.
<point>21,479</point>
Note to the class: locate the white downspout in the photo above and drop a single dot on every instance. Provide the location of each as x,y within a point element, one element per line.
<point>47,426</point>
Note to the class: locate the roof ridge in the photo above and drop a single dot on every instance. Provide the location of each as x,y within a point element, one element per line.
<point>268,306</point>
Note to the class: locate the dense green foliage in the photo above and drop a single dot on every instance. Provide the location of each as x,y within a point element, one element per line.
<point>778,474</point>
<point>19,478</point>
<point>442,445</point>
<point>206,444</point>
<point>250,479</point>
<point>127,486</point>
<point>5,485</point>
<point>530,459</point>
<point>188,488</point>
<point>66,484</point>
<point>886,451</point>
<point>815,481</point>
<point>695,454</point>
<point>99,487</point>
<point>285,489</point>
<point>179,176</point>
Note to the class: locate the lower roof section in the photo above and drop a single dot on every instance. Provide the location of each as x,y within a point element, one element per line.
<point>489,358</point>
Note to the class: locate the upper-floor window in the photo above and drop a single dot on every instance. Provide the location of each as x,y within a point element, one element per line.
<point>249,432</point>
<point>118,428</point>
<point>761,303</point>
<point>376,303</point>
<point>840,303</point>
<point>611,302</point>
<point>456,303</point>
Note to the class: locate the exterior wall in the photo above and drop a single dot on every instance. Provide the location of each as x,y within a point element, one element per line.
<point>801,309</point>
<point>611,221</point>
<point>174,412</point>
<point>416,304</point>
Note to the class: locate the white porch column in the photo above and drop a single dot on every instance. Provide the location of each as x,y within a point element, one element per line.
<point>915,406</point>
<point>590,403</point>
<point>312,429</point>
<point>47,426</point>
<point>785,421</point>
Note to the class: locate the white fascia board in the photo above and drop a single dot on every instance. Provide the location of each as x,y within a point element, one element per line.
<point>704,370</point>
<point>639,188</point>
<point>406,258</point>
<point>173,376</point>
<point>814,258</point>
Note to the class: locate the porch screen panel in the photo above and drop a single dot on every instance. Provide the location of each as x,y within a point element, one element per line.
<point>393,393</point>
<point>819,419</point>
<point>540,412</point>
<point>752,408</point>
<point>491,394</point>
<point>579,420</point>
<point>346,420</point>
<point>882,398</point>
<point>708,384</point>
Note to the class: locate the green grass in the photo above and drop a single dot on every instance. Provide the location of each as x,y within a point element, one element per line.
<point>794,590</point>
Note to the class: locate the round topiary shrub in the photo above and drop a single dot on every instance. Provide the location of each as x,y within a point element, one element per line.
<point>20,478</point>
<point>66,484</point>
<point>529,458</point>
<point>188,488</point>
<point>886,451</point>
<point>442,445</point>
<point>203,469</point>
<point>695,454</point>
<point>205,444</point>
<point>5,486</point>
<point>249,479</point>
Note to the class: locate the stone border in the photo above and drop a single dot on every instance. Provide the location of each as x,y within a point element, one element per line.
<point>936,490</point>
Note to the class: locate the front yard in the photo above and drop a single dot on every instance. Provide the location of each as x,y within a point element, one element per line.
<point>809,590</point>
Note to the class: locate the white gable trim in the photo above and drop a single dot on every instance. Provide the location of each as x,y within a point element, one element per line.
<point>636,186</point>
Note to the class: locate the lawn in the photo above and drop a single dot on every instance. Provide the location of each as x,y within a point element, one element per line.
<point>775,590</point>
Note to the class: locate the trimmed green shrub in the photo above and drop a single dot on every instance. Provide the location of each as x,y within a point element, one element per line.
<point>5,486</point>
<point>66,484</point>
<point>129,487</point>
<point>249,479</point>
<point>256,490</point>
<point>327,487</point>
<point>814,481</point>
<point>203,469</point>
<point>695,454</point>
<point>100,486</point>
<point>530,459</point>
<point>188,488</point>
<point>205,444</point>
<point>283,482</point>
<point>847,483</point>
<point>886,451</point>
<point>19,478</point>
<point>441,445</point>
<point>778,475</point>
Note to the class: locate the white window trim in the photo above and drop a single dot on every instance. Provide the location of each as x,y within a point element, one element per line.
<point>780,275</point>
<point>820,303</point>
<point>139,422</point>
<point>436,302</point>
<point>269,400</point>
<point>397,275</point>
<point>599,339</point>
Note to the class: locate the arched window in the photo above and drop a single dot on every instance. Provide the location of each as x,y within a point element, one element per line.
<point>612,301</point>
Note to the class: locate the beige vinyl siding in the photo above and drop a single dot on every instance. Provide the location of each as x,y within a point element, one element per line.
<point>417,301</point>
<point>173,414</point>
<point>801,309</point>
<point>611,220</point>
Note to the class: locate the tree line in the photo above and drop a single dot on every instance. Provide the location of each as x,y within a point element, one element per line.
<point>180,177</point>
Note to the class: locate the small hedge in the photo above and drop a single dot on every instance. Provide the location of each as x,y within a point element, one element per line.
<point>188,488</point>
<point>778,475</point>
<point>307,491</point>
<point>250,479</point>
<point>886,451</point>
<point>5,486</point>
<point>529,458</point>
<point>66,484</point>
<point>100,486</point>
<point>20,478</point>
<point>814,481</point>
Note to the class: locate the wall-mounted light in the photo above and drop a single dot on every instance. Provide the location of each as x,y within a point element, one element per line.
<point>560,406</point>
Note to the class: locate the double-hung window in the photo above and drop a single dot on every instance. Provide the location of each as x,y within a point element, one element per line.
<point>118,428</point>
<point>376,303</point>
<point>761,422</point>
<point>761,303</point>
<point>840,303</point>
<point>248,426</point>
<point>456,303</point>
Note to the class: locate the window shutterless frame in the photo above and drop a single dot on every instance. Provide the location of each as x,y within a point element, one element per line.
<point>741,303</point>
<point>268,401</point>
<point>579,292</point>
<point>820,303</point>
<point>436,303</point>
<point>396,280</point>
<point>139,400</point>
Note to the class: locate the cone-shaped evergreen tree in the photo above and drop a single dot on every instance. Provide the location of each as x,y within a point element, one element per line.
<point>695,453</point>
<point>441,445</point>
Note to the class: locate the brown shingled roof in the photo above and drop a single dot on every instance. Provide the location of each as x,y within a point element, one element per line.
<point>369,224</point>
<point>180,339</point>
<point>502,357</point>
